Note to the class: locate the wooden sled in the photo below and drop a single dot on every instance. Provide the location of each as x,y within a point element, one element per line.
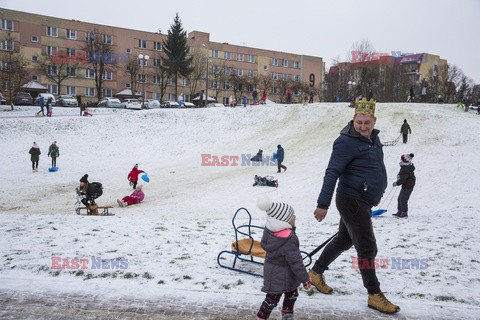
<point>245,248</point>
<point>102,211</point>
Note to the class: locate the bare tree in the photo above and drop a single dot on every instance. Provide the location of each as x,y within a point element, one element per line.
<point>100,52</point>
<point>362,51</point>
<point>218,78</point>
<point>13,71</point>
<point>132,68</point>
<point>58,68</point>
<point>198,66</point>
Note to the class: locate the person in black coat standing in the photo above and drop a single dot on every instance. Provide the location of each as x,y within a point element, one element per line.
<point>280,158</point>
<point>406,179</point>
<point>405,130</point>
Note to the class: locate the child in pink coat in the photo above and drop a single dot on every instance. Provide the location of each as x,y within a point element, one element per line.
<point>136,197</point>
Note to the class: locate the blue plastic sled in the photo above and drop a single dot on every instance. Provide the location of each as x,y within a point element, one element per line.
<point>274,156</point>
<point>145,177</point>
<point>53,169</point>
<point>378,212</point>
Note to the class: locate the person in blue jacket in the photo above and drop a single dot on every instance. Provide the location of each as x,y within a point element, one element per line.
<point>280,158</point>
<point>357,163</point>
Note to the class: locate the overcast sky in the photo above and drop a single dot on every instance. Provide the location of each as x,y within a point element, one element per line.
<point>327,29</point>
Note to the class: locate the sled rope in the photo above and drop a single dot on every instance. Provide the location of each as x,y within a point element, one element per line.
<point>393,142</point>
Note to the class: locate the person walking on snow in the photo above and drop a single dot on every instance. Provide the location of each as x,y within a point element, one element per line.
<point>133,176</point>
<point>264,97</point>
<point>54,152</point>
<point>137,196</point>
<point>280,158</point>
<point>41,102</point>
<point>406,179</point>
<point>405,130</point>
<point>180,99</point>
<point>35,156</point>
<point>283,270</point>
<point>357,163</point>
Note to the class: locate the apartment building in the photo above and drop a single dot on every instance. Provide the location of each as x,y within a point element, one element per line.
<point>40,38</point>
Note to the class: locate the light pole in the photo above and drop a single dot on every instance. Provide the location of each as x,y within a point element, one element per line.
<point>144,60</point>
<point>351,85</point>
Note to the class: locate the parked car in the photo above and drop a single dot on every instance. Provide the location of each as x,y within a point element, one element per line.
<point>22,98</point>
<point>110,103</point>
<point>45,97</point>
<point>214,105</point>
<point>67,101</point>
<point>152,103</point>
<point>2,99</point>
<point>131,104</point>
<point>169,104</point>
<point>188,105</point>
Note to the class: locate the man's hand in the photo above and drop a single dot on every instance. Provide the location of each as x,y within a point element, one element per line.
<point>320,214</point>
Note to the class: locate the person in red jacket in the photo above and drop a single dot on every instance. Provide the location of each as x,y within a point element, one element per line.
<point>133,176</point>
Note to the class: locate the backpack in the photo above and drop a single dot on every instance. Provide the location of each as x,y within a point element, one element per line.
<point>54,151</point>
<point>95,188</point>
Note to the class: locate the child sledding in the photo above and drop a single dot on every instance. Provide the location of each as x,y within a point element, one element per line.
<point>268,181</point>
<point>86,194</point>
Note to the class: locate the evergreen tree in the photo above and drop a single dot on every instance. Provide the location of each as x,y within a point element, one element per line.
<point>177,63</point>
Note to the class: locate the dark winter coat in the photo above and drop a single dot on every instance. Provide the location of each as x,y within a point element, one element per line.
<point>280,154</point>
<point>93,190</point>
<point>357,163</point>
<point>405,129</point>
<point>406,176</point>
<point>133,175</point>
<point>53,151</point>
<point>283,270</point>
<point>35,154</point>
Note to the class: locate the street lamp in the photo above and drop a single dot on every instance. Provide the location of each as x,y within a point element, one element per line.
<point>351,84</point>
<point>144,60</point>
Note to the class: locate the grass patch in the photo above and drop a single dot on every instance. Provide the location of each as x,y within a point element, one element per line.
<point>130,275</point>
<point>79,273</point>
<point>445,298</point>
<point>147,275</point>
<point>187,278</point>
<point>418,295</point>
<point>161,282</point>
<point>240,282</point>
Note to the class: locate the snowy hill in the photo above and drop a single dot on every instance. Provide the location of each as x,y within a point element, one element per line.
<point>173,237</point>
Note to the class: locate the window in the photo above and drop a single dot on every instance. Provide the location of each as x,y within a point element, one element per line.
<point>265,67</point>
<point>213,84</point>
<point>284,76</point>
<point>34,58</point>
<point>52,70</point>
<point>251,73</point>
<point>227,55</point>
<point>285,63</point>
<point>239,56</point>
<point>142,44</point>
<point>214,53</point>
<point>251,58</point>
<point>7,24</point>
<point>107,75</point>
<point>142,62</point>
<point>250,88</point>
<point>274,62</point>
<point>34,39</point>
<point>296,78</point>
<point>157,46</point>
<point>71,72</point>
<point>90,73</point>
<point>71,34</point>
<point>296,64</point>
<point>106,92</point>
<point>157,79</point>
<point>107,39</point>
<point>156,96</point>
<point>226,86</point>
<point>35,78</point>
<point>239,72</point>
<point>274,76</point>
<point>157,62</point>
<point>171,97</point>
<point>141,78</point>
<point>7,45</point>
<point>52,31</point>
<point>71,90</point>
<point>185,82</point>
<point>274,90</point>
<point>71,52</point>
<point>128,85</point>
<point>90,36</point>
<point>5,65</point>
<point>52,51</point>
<point>171,81</point>
<point>214,69</point>
<point>228,71</point>
<point>89,92</point>
<point>53,88</point>
<point>129,51</point>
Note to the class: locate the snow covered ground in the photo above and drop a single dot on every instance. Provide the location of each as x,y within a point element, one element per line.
<point>172,239</point>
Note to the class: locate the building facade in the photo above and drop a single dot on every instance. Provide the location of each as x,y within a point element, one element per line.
<point>53,47</point>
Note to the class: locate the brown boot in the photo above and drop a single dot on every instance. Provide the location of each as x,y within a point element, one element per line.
<point>379,302</point>
<point>319,282</point>
<point>94,210</point>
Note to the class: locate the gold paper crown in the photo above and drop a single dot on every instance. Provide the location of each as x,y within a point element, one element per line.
<point>365,107</point>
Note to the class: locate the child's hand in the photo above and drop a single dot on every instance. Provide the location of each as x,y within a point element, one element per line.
<point>307,285</point>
